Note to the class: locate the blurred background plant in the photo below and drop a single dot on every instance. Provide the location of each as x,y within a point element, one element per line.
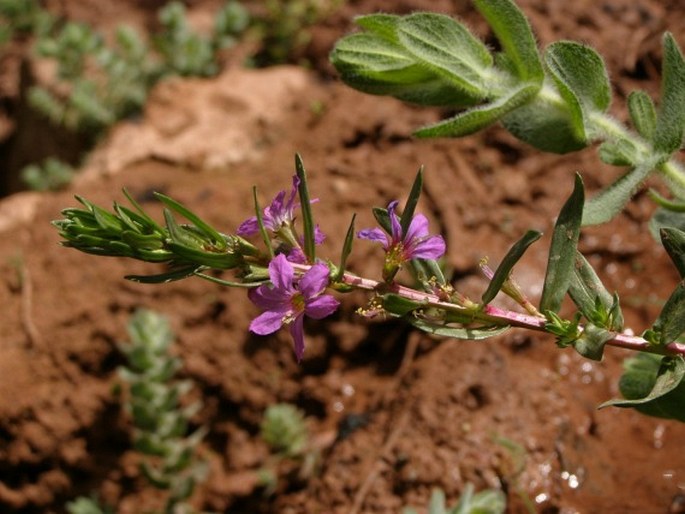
<point>153,400</point>
<point>489,501</point>
<point>284,430</point>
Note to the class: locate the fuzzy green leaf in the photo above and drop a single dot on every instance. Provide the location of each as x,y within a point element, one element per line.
<point>516,37</point>
<point>674,243</point>
<point>471,334</point>
<point>582,80</point>
<point>508,262</point>
<point>670,122</point>
<point>381,24</point>
<point>666,218</point>
<point>562,254</point>
<point>445,46</point>
<point>671,321</point>
<point>653,385</point>
<point>620,152</point>
<point>477,118</point>
<point>609,202</point>
<point>642,114</point>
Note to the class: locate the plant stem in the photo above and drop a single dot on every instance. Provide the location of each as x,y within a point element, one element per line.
<point>496,315</point>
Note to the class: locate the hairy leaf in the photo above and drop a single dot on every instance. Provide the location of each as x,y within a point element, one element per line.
<point>619,152</point>
<point>591,342</point>
<point>508,262</point>
<point>670,122</point>
<point>562,254</point>
<point>445,46</point>
<point>516,37</point>
<point>604,206</point>
<point>582,80</point>
<point>642,113</point>
<point>477,118</point>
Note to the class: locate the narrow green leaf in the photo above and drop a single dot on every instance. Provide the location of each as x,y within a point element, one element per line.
<point>169,276</point>
<point>471,334</point>
<point>515,35</point>
<point>399,305</point>
<point>670,122</point>
<point>510,259</point>
<point>562,252</point>
<point>477,118</point>
<point>412,201</point>
<point>215,237</point>
<point>609,202</point>
<point>260,223</point>
<point>306,208</point>
<point>671,321</point>
<point>591,342</point>
<point>586,289</point>
<point>674,243</point>
<point>642,113</point>
<point>346,250</point>
<point>653,385</point>
<point>382,217</point>
<point>141,211</point>
<point>582,80</point>
<point>445,46</point>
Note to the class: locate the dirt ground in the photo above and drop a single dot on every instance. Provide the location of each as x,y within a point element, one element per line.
<point>393,413</point>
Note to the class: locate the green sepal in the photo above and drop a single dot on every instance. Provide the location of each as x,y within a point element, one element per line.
<point>412,201</point>
<point>671,321</point>
<point>477,118</point>
<point>214,236</point>
<point>582,80</point>
<point>471,334</point>
<point>562,253</point>
<point>610,201</point>
<point>516,37</point>
<point>346,250</point>
<point>642,114</point>
<point>399,305</point>
<point>591,342</point>
<point>162,278</point>
<point>619,152</point>
<point>508,262</point>
<point>653,385</point>
<point>308,226</point>
<point>674,243</point>
<point>670,122</point>
<point>446,47</point>
<point>591,297</point>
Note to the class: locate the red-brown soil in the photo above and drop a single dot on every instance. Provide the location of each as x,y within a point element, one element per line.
<point>393,412</point>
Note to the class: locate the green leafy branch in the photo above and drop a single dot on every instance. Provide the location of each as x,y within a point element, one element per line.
<point>556,100</point>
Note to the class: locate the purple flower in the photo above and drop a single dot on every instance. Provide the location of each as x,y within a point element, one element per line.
<point>400,247</point>
<point>279,217</point>
<point>286,301</point>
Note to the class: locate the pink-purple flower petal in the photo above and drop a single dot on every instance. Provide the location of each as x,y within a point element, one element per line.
<point>268,322</point>
<point>321,307</point>
<point>314,280</point>
<point>432,247</point>
<point>297,331</point>
<point>374,234</point>
<point>281,273</point>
